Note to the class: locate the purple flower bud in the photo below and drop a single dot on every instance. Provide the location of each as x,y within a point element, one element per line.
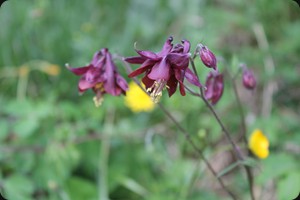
<point>214,86</point>
<point>249,79</point>
<point>207,57</point>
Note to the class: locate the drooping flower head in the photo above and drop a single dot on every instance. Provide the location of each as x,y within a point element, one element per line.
<point>214,86</point>
<point>101,75</point>
<point>164,69</point>
<point>259,144</point>
<point>207,57</point>
<point>249,80</point>
<point>137,100</point>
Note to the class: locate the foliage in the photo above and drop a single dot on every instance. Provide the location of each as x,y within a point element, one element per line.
<point>52,140</point>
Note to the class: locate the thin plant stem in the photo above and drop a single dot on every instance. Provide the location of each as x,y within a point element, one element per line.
<point>236,149</point>
<point>186,135</point>
<point>244,130</point>
<point>103,160</point>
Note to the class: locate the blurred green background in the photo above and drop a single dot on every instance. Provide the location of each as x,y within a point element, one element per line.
<point>54,144</point>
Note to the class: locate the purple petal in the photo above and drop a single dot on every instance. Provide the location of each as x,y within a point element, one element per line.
<point>147,81</point>
<point>80,70</point>
<point>145,66</point>
<point>186,46</point>
<point>172,85</point>
<point>160,71</point>
<point>148,55</point>
<point>179,74</point>
<point>192,78</point>
<point>93,74</point>
<point>179,60</point>
<point>122,83</point>
<point>135,60</point>
<point>167,47</point>
<point>84,84</point>
<point>109,85</point>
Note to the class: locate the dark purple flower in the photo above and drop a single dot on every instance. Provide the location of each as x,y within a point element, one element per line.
<point>164,69</point>
<point>249,80</point>
<point>214,86</point>
<point>207,57</point>
<point>101,75</point>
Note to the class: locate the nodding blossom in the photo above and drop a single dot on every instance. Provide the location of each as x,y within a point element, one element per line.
<point>101,76</point>
<point>165,69</point>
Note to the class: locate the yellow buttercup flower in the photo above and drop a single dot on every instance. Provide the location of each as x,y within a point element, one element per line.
<point>137,100</point>
<point>259,144</point>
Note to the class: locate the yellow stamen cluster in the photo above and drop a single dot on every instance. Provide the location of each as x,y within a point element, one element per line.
<point>259,144</point>
<point>156,89</point>
<point>98,99</point>
<point>137,100</point>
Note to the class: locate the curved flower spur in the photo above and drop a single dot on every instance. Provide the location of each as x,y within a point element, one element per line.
<point>101,75</point>
<point>164,69</point>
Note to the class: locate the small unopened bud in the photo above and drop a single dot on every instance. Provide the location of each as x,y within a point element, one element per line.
<point>207,57</point>
<point>249,80</point>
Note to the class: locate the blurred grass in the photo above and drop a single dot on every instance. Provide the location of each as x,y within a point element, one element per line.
<point>50,138</point>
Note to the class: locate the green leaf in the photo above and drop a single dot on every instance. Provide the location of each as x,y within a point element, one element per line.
<point>26,126</point>
<point>289,186</point>
<point>228,169</point>
<point>18,187</point>
<point>251,162</point>
<point>275,166</point>
<point>79,188</point>
<point>134,186</point>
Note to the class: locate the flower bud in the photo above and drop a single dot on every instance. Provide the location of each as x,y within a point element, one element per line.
<point>207,57</point>
<point>214,86</point>
<point>249,80</point>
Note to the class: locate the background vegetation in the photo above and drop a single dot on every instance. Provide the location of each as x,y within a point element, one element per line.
<point>53,143</point>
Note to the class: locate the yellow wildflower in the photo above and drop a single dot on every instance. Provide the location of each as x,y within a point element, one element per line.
<point>259,144</point>
<point>137,100</point>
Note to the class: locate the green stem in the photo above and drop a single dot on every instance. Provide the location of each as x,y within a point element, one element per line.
<point>104,157</point>
<point>103,162</point>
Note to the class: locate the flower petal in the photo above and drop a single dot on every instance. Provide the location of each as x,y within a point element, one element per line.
<point>122,83</point>
<point>179,74</point>
<point>148,55</point>
<point>135,60</point>
<point>147,81</point>
<point>160,71</point>
<point>192,78</point>
<point>179,60</point>
<point>109,84</point>
<point>186,46</point>
<point>146,65</point>
<point>98,59</point>
<point>84,84</point>
<point>172,85</point>
<point>167,47</point>
<point>79,70</point>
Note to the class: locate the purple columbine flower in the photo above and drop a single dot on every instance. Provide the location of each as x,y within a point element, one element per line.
<point>207,57</point>
<point>164,69</point>
<point>249,80</point>
<point>214,86</point>
<point>101,75</point>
